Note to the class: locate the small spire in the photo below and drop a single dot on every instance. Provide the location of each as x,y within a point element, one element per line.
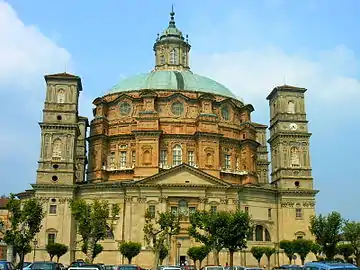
<point>172,20</point>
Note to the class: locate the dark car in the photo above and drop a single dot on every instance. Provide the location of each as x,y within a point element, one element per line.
<point>4,265</point>
<point>45,266</point>
<point>129,267</point>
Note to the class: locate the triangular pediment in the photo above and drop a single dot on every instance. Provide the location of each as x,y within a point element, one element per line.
<point>183,175</point>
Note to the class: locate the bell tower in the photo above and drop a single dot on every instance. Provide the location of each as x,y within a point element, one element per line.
<point>63,152</point>
<point>289,138</point>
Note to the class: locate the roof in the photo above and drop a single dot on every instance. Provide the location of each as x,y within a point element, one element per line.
<point>171,80</point>
<point>3,202</point>
<point>287,88</point>
<point>64,76</point>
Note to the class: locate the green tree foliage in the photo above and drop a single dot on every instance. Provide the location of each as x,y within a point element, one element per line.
<point>326,230</point>
<point>92,223</point>
<point>56,249</point>
<point>25,222</point>
<point>316,249</point>
<point>269,251</point>
<point>346,250</point>
<point>288,248</point>
<point>198,254</point>
<point>163,253</point>
<point>159,230</point>
<point>302,247</point>
<point>233,231</point>
<point>130,250</point>
<point>98,248</point>
<point>352,234</point>
<point>257,252</point>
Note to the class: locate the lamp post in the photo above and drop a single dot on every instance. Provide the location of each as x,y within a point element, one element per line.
<point>178,245</point>
<point>35,242</point>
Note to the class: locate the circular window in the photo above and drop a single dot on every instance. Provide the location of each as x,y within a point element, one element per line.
<point>55,166</point>
<point>297,184</point>
<point>177,108</point>
<point>59,117</point>
<point>225,113</point>
<point>125,108</point>
<point>54,178</point>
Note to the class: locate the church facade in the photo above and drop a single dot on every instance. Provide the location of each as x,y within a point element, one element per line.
<point>172,140</point>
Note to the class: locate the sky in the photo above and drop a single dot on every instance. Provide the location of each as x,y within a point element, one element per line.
<point>249,46</point>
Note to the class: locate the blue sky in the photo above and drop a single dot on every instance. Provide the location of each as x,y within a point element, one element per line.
<point>249,46</point>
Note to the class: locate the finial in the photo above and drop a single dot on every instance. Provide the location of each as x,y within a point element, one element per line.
<point>187,38</point>
<point>158,37</point>
<point>172,13</point>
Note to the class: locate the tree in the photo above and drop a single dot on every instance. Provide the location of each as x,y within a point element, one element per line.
<point>25,222</point>
<point>302,247</point>
<point>163,253</point>
<point>352,235</point>
<point>326,230</point>
<point>268,251</point>
<point>346,250</point>
<point>130,250</point>
<point>98,248</point>
<point>316,249</point>
<point>56,249</point>
<point>92,224</point>
<point>198,253</point>
<point>233,235</point>
<point>257,252</point>
<point>158,231</point>
<point>205,227</point>
<point>288,248</point>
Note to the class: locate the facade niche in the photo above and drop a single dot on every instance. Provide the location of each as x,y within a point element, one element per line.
<point>294,157</point>
<point>291,107</point>
<point>61,96</point>
<point>56,149</point>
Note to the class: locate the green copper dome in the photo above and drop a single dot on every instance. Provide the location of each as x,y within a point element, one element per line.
<point>171,80</point>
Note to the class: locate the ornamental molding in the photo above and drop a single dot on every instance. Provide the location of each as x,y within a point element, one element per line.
<point>203,199</point>
<point>163,199</point>
<point>287,204</point>
<point>309,204</point>
<point>299,192</point>
<point>141,199</point>
<point>224,200</point>
<point>235,201</point>
<point>128,198</point>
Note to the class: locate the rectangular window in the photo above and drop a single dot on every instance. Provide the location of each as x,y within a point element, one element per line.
<point>152,210</point>
<point>133,158</point>
<point>246,209</point>
<point>213,209</point>
<point>52,209</point>
<point>122,159</point>
<point>177,155</point>
<point>191,158</point>
<point>112,161</point>
<point>174,209</point>
<point>227,160</point>
<point>269,213</point>
<point>51,238</point>
<point>163,158</point>
<point>298,213</point>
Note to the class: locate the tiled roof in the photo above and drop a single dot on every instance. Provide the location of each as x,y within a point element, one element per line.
<point>3,202</point>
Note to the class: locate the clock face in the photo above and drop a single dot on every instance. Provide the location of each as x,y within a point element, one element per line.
<point>293,126</point>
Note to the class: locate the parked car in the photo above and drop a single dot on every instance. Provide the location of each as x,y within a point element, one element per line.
<point>4,265</point>
<point>45,266</point>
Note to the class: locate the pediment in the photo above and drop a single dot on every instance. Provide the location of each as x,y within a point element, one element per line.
<point>183,175</point>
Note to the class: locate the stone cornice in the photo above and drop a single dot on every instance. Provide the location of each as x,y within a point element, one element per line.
<point>44,125</point>
<point>298,192</point>
<point>305,135</point>
<point>152,133</point>
<point>199,134</point>
<point>53,187</point>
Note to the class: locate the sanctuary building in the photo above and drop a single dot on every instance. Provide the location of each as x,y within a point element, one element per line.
<point>172,140</point>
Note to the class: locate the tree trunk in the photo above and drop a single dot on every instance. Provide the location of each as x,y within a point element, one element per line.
<point>21,263</point>
<point>216,257</point>
<point>269,262</point>
<point>58,258</point>
<point>90,251</point>
<point>259,261</point>
<point>302,261</point>
<point>51,257</point>
<point>200,261</point>
<point>357,258</point>
<point>231,253</point>
<point>290,259</point>
<point>156,259</point>
<point>129,259</point>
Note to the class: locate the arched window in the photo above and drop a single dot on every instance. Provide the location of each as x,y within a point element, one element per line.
<point>56,149</point>
<point>109,233</point>
<point>184,59</point>
<point>162,59</point>
<point>173,56</point>
<point>250,236</point>
<point>183,207</point>
<point>267,235</point>
<point>225,113</point>
<point>299,235</point>
<point>177,155</point>
<point>61,96</point>
<point>291,107</point>
<point>259,233</point>
<point>294,157</point>
<point>298,211</point>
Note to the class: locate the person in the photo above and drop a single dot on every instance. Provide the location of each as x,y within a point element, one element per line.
<point>226,266</point>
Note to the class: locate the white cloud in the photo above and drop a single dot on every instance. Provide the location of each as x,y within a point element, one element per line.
<point>329,76</point>
<point>26,54</point>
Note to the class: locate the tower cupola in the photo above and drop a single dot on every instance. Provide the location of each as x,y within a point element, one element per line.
<point>171,48</point>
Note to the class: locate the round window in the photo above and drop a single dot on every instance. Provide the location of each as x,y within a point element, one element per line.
<point>125,108</point>
<point>177,108</point>
<point>225,113</point>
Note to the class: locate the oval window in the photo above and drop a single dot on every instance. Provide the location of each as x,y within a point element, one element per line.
<point>125,108</point>
<point>177,108</point>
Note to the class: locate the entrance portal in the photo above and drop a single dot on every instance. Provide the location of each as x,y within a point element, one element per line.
<point>182,260</point>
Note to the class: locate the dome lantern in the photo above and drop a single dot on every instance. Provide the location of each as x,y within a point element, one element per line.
<point>171,48</point>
